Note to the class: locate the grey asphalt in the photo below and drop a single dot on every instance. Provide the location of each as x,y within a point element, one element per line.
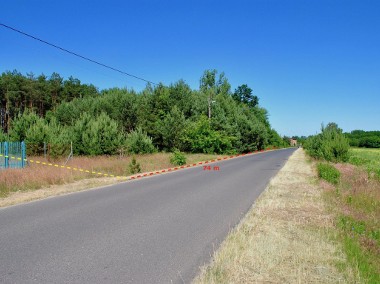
<point>159,229</point>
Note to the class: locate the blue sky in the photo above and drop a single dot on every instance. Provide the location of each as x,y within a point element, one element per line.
<point>309,61</point>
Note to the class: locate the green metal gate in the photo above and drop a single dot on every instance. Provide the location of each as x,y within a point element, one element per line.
<point>12,155</point>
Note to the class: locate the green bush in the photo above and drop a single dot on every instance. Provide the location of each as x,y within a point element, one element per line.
<point>96,136</point>
<point>328,173</point>
<point>21,124</point>
<point>178,158</point>
<point>3,136</point>
<point>138,142</point>
<point>330,145</point>
<point>134,167</point>
<point>200,138</point>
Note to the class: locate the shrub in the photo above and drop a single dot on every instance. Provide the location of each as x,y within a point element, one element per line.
<point>200,138</point>
<point>102,136</point>
<point>22,124</point>
<point>134,167</point>
<point>330,145</point>
<point>3,136</point>
<point>178,158</point>
<point>172,128</point>
<point>328,173</point>
<point>138,142</point>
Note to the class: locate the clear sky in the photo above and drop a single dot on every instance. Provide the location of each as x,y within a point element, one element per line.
<point>309,61</point>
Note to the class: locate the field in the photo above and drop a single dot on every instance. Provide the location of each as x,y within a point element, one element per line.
<point>367,158</point>
<point>37,176</point>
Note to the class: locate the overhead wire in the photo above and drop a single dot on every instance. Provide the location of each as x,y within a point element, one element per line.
<point>76,54</point>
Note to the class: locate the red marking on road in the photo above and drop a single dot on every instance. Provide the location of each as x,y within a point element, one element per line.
<point>232,156</point>
<point>225,158</point>
<point>194,165</point>
<point>151,174</point>
<point>163,171</point>
<point>182,167</point>
<point>157,172</point>
<point>219,159</point>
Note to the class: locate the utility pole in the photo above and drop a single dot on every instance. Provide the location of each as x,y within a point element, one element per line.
<point>209,107</point>
<point>210,101</point>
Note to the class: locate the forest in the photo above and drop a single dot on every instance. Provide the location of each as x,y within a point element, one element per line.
<point>213,119</point>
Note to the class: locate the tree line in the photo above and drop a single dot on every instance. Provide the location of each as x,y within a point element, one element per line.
<point>212,119</point>
<point>361,138</point>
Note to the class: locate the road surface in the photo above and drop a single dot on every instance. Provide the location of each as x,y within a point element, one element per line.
<point>159,229</point>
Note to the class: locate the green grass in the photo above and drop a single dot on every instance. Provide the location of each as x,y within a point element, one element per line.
<point>362,260</point>
<point>328,173</point>
<point>356,202</point>
<point>366,158</point>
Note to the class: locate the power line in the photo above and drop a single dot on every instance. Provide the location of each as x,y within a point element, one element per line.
<point>76,54</point>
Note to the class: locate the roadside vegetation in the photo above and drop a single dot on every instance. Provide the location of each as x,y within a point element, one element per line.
<point>328,173</point>
<point>353,196</point>
<point>308,230</point>
<point>37,176</point>
<point>288,236</point>
<point>212,119</point>
<point>121,131</point>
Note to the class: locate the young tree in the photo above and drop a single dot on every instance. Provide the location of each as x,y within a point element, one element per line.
<point>22,124</point>
<point>172,129</point>
<point>138,142</point>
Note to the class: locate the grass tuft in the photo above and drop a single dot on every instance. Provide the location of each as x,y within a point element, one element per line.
<point>328,173</point>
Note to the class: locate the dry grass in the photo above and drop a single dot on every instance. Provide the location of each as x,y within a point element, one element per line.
<point>39,181</point>
<point>55,190</point>
<point>285,237</point>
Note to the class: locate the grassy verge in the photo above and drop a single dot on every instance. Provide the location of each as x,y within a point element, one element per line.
<point>38,177</point>
<point>328,173</point>
<point>287,237</point>
<point>355,202</point>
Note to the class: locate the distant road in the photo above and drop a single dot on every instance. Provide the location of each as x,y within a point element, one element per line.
<point>155,230</point>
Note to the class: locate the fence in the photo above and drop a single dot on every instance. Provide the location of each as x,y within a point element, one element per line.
<point>48,150</point>
<point>12,155</point>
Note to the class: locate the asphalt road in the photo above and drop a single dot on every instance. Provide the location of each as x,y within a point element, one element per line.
<point>159,229</point>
